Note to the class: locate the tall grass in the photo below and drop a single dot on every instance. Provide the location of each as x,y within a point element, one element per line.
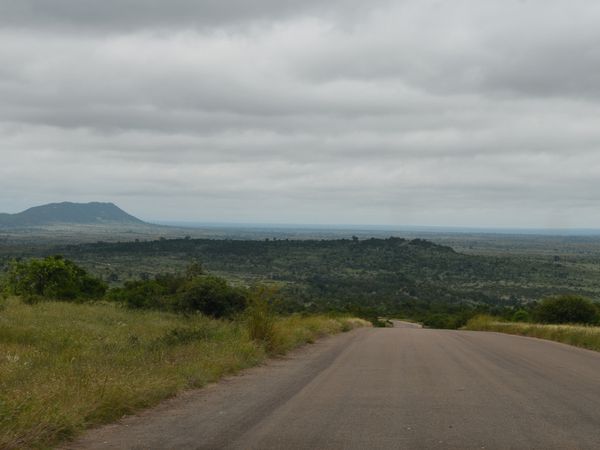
<point>260,316</point>
<point>576,335</point>
<point>65,367</point>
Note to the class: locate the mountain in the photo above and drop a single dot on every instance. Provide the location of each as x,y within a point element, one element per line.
<point>67,213</point>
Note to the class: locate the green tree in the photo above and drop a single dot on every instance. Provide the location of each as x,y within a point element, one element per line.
<point>212,296</point>
<point>567,309</point>
<point>52,277</point>
<point>147,294</point>
<point>194,270</point>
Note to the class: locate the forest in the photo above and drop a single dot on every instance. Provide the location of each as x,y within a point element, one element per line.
<point>380,276</point>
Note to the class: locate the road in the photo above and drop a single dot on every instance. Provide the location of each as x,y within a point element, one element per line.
<point>395,388</point>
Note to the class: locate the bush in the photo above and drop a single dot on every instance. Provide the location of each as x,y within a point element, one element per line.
<point>189,293</point>
<point>567,309</point>
<point>439,320</point>
<point>148,294</point>
<point>448,321</point>
<point>211,296</point>
<point>260,315</point>
<point>482,322</point>
<point>520,316</point>
<point>52,277</point>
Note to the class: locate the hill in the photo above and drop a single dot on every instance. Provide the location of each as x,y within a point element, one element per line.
<point>388,273</point>
<point>94,213</point>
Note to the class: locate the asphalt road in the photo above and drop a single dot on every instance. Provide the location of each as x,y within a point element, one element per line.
<point>401,388</point>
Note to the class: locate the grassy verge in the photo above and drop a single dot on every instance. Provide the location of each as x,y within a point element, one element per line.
<point>577,335</point>
<point>65,367</point>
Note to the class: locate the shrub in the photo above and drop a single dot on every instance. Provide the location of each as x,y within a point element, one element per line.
<point>481,322</point>
<point>188,293</point>
<point>211,296</point>
<point>449,321</point>
<point>52,277</point>
<point>520,316</point>
<point>567,309</point>
<point>146,294</point>
<point>260,315</point>
<point>438,320</point>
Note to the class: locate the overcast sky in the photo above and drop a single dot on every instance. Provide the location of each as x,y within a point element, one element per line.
<point>407,112</point>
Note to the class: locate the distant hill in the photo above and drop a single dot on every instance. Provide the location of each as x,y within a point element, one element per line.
<point>94,213</point>
<point>386,273</point>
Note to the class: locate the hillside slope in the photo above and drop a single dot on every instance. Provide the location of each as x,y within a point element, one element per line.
<point>342,272</point>
<point>94,213</point>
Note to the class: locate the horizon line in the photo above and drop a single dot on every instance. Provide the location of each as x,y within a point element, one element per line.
<point>378,227</point>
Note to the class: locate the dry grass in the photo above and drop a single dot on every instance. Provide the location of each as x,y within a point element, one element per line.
<point>65,367</point>
<point>577,335</point>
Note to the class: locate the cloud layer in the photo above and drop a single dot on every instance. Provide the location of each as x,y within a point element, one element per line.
<point>414,112</point>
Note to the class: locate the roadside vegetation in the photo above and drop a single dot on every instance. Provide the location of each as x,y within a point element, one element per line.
<point>70,360</point>
<point>52,277</point>
<point>77,349</point>
<point>568,319</point>
<point>577,335</point>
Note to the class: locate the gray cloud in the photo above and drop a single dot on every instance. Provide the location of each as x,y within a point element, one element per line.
<point>540,48</point>
<point>412,112</point>
<point>128,15</point>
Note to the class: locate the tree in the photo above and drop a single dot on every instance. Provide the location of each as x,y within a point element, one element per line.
<point>194,270</point>
<point>147,294</point>
<point>567,309</point>
<point>520,316</point>
<point>52,277</point>
<point>211,296</point>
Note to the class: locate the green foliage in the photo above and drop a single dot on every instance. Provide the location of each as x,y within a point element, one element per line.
<point>448,321</point>
<point>260,315</point>
<point>194,270</point>
<point>210,295</point>
<point>584,336</point>
<point>450,316</point>
<point>389,275</point>
<point>141,294</point>
<point>386,277</point>
<point>521,316</point>
<point>52,278</point>
<point>482,322</point>
<point>368,313</point>
<point>189,293</point>
<point>438,320</point>
<point>68,366</point>
<point>567,309</point>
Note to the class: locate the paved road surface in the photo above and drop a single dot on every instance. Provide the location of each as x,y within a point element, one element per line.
<point>401,388</point>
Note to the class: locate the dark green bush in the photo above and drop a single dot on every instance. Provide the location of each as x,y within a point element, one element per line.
<point>520,316</point>
<point>567,309</point>
<point>447,320</point>
<point>211,296</point>
<point>439,320</point>
<point>53,277</point>
<point>148,294</point>
<point>189,293</point>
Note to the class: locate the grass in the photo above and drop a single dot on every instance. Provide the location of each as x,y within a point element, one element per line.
<point>65,367</point>
<point>577,335</point>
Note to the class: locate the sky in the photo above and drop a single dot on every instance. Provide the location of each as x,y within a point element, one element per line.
<point>480,113</point>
